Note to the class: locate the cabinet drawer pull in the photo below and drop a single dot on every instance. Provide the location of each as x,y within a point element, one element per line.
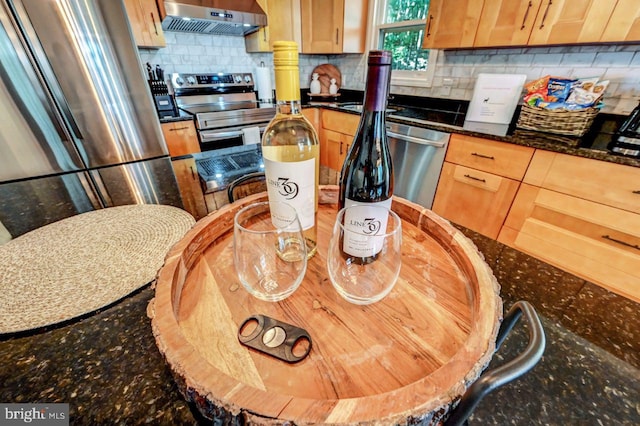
<point>636,192</point>
<point>546,12</point>
<point>175,129</point>
<point>193,174</point>
<point>624,243</point>
<point>488,157</point>
<point>429,26</point>
<point>526,14</point>
<point>475,178</point>
<point>337,36</point>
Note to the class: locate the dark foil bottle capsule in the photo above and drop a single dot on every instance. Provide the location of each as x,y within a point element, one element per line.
<point>367,173</point>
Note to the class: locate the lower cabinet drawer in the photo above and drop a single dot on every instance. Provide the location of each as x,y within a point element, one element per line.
<point>474,199</point>
<point>499,158</point>
<point>596,242</point>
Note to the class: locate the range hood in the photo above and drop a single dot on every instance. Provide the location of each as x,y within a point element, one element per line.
<point>220,17</point>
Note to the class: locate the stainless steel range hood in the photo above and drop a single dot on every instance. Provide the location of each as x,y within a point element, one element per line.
<point>221,17</point>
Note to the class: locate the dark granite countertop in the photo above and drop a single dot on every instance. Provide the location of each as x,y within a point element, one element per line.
<point>108,368</point>
<point>448,116</point>
<point>183,116</point>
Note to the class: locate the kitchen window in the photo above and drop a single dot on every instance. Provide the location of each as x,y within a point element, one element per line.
<point>398,26</point>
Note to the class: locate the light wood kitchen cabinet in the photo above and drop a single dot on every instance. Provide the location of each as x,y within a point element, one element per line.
<point>479,181</point>
<point>624,24</point>
<point>477,200</point>
<point>313,115</point>
<point>495,157</point>
<point>491,23</point>
<point>506,22</point>
<point>283,18</point>
<point>582,216</point>
<point>333,26</point>
<point>318,26</point>
<point>145,22</point>
<point>189,184</point>
<point>602,182</point>
<point>181,138</point>
<point>338,130</point>
<point>570,21</point>
<point>452,24</point>
<point>542,22</point>
<point>337,145</point>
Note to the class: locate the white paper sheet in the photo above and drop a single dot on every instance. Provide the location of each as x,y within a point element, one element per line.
<point>251,135</point>
<point>495,98</point>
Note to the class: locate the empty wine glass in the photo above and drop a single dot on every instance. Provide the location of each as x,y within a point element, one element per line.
<point>269,250</point>
<point>365,255</point>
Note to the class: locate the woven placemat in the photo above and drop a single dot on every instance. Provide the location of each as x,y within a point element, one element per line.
<point>77,265</point>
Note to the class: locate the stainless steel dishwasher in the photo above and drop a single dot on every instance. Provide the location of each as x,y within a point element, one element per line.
<point>417,155</point>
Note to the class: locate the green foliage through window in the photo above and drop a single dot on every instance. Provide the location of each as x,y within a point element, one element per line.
<point>406,10</point>
<point>405,41</point>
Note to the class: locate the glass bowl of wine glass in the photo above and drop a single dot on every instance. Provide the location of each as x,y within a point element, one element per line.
<point>365,256</point>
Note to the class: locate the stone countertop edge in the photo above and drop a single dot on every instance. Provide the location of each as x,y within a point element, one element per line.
<point>533,139</point>
<point>175,119</point>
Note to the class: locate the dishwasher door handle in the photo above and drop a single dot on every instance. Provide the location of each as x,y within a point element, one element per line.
<point>420,141</point>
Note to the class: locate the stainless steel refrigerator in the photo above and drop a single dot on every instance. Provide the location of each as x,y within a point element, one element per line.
<point>78,130</point>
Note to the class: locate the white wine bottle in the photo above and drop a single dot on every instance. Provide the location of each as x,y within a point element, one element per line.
<point>290,146</point>
<point>367,173</point>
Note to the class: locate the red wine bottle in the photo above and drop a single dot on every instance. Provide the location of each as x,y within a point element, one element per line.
<point>367,173</point>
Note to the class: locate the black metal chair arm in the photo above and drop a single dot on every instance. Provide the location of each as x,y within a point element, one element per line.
<point>499,376</point>
<point>242,179</point>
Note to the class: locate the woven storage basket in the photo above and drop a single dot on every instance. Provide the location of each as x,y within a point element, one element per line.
<point>573,123</point>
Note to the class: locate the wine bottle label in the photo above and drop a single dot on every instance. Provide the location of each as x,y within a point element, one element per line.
<point>293,183</point>
<point>362,224</point>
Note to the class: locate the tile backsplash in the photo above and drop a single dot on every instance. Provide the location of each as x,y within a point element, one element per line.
<point>620,64</point>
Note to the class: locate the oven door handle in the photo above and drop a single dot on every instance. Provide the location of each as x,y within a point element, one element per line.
<point>221,135</point>
<point>208,135</point>
<point>420,141</point>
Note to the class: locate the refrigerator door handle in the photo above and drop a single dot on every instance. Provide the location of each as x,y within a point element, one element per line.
<point>102,194</point>
<point>89,184</point>
<point>38,71</point>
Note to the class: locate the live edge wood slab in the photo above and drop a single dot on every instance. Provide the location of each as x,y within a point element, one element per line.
<point>404,360</point>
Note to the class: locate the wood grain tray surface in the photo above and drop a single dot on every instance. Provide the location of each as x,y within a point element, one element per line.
<point>408,357</point>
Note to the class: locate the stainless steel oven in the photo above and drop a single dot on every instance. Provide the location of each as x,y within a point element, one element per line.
<point>224,106</point>
<point>229,128</point>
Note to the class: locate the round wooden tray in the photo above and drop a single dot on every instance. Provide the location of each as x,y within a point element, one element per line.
<point>404,359</point>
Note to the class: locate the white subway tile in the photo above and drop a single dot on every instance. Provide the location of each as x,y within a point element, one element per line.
<point>589,72</point>
<point>521,59</point>
<point>613,59</point>
<point>546,59</point>
<point>578,59</point>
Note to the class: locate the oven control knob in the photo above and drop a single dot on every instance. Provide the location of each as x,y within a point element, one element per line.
<point>191,80</point>
<point>179,81</point>
<point>238,79</point>
<point>247,79</point>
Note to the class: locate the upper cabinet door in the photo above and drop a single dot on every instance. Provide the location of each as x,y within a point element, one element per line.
<point>354,31</point>
<point>452,24</point>
<point>322,26</point>
<point>571,21</point>
<point>506,22</point>
<point>624,24</point>
<point>283,23</point>
<point>145,23</point>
